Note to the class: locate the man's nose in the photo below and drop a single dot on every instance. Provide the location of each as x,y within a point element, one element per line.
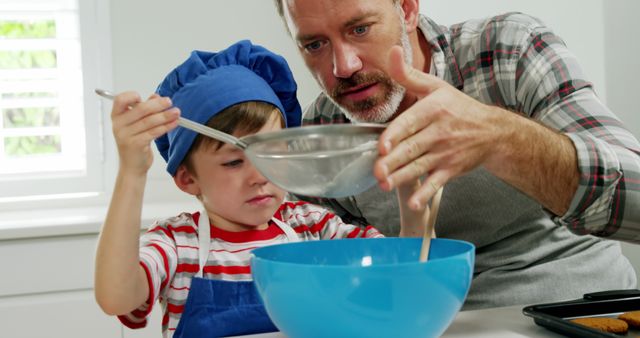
<point>346,61</point>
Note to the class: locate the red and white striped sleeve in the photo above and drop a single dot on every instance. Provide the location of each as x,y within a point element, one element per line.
<point>158,257</point>
<point>322,223</point>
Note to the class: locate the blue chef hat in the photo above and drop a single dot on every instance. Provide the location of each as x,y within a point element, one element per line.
<point>207,83</point>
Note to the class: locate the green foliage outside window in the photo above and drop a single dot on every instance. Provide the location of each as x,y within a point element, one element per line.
<point>21,59</point>
<point>41,29</point>
<point>29,117</point>
<point>32,145</point>
<point>28,95</point>
<point>32,59</point>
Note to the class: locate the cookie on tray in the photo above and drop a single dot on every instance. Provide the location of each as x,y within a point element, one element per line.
<point>632,318</point>
<point>612,325</point>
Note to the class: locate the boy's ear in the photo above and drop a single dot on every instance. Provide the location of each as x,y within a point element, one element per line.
<point>185,181</point>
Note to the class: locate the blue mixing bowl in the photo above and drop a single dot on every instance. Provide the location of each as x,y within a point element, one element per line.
<point>363,287</point>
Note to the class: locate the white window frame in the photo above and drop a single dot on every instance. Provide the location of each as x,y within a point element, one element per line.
<point>81,187</point>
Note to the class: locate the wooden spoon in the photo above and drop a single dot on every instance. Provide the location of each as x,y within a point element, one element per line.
<point>431,221</point>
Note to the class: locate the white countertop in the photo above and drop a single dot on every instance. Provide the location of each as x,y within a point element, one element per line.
<point>496,323</point>
<point>505,322</point>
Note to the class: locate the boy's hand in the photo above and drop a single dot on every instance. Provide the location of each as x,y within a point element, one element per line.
<point>136,123</point>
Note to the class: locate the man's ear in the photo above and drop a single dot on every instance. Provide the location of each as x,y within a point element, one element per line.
<point>186,181</point>
<point>411,9</point>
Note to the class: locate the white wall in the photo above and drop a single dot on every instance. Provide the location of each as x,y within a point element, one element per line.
<point>573,29</point>
<point>622,60</point>
<point>622,63</point>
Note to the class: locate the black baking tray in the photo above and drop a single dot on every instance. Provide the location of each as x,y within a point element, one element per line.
<point>556,316</point>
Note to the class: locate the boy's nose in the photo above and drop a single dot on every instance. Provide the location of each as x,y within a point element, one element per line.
<point>256,177</point>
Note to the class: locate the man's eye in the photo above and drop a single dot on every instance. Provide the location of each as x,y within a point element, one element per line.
<point>313,46</point>
<point>361,30</point>
<point>234,163</point>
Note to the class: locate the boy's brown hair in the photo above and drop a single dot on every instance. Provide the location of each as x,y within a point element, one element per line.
<point>242,119</point>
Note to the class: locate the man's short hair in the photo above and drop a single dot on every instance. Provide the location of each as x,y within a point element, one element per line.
<point>280,8</point>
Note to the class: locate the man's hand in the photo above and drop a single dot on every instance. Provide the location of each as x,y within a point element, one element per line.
<point>447,134</point>
<point>443,135</point>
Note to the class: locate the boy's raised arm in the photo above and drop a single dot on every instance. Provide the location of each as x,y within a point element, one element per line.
<point>120,282</point>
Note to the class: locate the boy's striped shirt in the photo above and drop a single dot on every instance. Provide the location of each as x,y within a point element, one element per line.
<point>169,254</point>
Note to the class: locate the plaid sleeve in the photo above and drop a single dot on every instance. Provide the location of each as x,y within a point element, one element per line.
<point>551,88</point>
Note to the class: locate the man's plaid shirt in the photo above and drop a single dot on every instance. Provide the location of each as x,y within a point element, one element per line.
<point>516,62</point>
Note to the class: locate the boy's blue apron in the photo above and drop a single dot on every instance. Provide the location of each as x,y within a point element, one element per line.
<point>216,308</point>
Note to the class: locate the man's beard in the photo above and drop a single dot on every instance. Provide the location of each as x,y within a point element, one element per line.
<point>379,108</point>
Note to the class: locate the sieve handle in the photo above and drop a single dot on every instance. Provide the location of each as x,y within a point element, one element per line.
<point>195,126</point>
<point>213,133</point>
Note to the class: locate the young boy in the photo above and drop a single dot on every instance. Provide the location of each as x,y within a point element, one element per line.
<point>197,264</point>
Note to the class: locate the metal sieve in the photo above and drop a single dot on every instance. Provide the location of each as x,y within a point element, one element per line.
<point>332,161</point>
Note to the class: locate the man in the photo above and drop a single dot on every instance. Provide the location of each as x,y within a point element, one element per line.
<point>499,113</point>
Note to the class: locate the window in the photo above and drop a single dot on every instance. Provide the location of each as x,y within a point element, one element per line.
<point>52,53</point>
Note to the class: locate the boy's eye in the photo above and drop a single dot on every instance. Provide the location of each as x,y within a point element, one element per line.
<point>234,163</point>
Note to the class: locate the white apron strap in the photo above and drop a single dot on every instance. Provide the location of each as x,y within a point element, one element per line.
<point>204,240</point>
<point>292,236</point>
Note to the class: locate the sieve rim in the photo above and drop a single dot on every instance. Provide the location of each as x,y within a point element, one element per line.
<point>316,131</point>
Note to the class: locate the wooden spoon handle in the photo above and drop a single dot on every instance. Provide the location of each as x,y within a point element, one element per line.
<point>431,222</point>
